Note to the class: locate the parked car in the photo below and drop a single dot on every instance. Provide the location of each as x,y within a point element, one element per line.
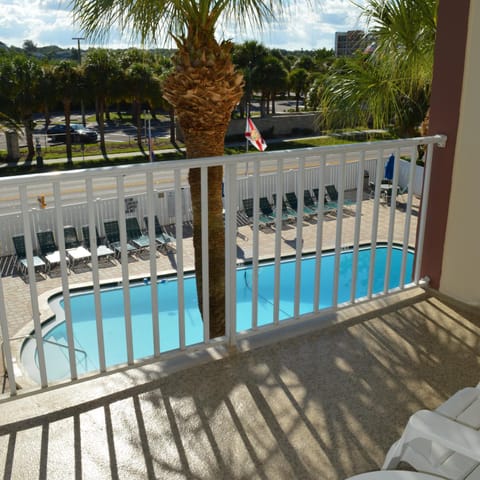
<point>79,133</point>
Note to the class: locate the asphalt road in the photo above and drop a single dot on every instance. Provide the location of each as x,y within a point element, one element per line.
<point>74,192</point>
<point>128,133</point>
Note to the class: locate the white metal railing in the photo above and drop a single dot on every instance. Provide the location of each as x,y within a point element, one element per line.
<point>273,172</point>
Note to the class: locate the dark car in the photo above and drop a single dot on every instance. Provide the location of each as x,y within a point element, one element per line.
<point>79,133</point>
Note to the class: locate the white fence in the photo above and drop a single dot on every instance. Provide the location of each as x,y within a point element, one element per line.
<point>136,204</point>
<point>263,175</point>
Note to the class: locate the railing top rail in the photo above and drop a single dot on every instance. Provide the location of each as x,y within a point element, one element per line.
<point>171,165</point>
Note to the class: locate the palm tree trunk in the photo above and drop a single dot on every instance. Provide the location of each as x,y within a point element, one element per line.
<point>204,88</point>
<point>138,123</point>
<point>202,144</point>
<point>101,125</point>
<point>216,246</point>
<point>29,138</point>
<point>68,134</point>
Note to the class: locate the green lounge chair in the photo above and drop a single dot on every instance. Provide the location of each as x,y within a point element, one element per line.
<point>264,220</point>
<point>135,235</point>
<point>309,201</point>
<point>112,232</point>
<point>287,213</point>
<point>103,252</point>
<point>332,194</point>
<point>48,249</point>
<point>293,202</point>
<point>75,251</point>
<point>165,241</point>
<point>328,207</point>
<point>267,210</point>
<point>21,252</point>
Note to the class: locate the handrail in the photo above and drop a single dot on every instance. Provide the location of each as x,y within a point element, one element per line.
<point>171,165</point>
<point>45,340</point>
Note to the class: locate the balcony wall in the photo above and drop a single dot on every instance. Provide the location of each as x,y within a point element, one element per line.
<point>461,257</point>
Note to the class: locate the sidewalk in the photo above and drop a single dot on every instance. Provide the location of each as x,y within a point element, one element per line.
<point>89,157</point>
<point>157,152</point>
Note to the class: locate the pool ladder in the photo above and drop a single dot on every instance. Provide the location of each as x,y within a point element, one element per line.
<point>58,344</point>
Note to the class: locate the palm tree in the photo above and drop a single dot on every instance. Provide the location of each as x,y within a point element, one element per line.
<point>245,57</point>
<point>19,90</point>
<point>101,70</point>
<point>278,78</point>
<point>298,80</point>
<point>261,82</point>
<point>203,88</point>
<point>393,82</point>
<point>47,92</point>
<point>67,76</point>
<point>140,82</point>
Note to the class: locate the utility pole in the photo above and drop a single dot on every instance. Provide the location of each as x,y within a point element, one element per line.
<point>148,133</point>
<point>82,106</point>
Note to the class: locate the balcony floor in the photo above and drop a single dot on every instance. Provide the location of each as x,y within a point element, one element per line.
<point>323,406</point>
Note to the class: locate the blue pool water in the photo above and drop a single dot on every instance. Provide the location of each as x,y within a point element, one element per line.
<point>84,319</point>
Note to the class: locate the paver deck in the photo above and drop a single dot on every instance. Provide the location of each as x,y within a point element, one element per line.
<point>16,290</point>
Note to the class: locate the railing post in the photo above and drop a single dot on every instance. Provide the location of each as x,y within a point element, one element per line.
<point>230,216</point>
<point>423,213</point>
<point>5,349</point>
<point>205,254</point>
<point>179,200</point>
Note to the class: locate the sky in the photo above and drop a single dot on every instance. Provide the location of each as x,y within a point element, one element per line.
<point>307,25</point>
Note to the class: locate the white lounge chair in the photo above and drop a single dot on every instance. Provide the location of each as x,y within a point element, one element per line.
<point>445,442</point>
<point>75,251</point>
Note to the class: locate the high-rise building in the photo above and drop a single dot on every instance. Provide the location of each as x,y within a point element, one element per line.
<point>347,43</point>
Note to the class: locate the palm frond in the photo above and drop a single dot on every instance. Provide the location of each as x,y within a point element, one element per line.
<point>149,20</point>
<point>405,36</point>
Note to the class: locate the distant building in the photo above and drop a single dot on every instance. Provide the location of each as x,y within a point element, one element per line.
<point>347,43</point>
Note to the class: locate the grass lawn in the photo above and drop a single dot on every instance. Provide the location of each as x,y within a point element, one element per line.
<point>83,157</point>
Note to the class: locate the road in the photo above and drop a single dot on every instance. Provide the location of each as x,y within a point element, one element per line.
<point>74,192</point>
<point>128,133</point>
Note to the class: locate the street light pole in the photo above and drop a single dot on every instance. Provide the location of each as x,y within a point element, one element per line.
<point>82,106</point>
<point>148,133</point>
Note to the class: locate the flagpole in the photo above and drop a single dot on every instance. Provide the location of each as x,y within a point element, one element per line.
<point>246,139</point>
<point>246,149</point>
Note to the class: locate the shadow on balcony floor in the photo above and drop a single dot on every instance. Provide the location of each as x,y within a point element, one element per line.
<point>321,406</point>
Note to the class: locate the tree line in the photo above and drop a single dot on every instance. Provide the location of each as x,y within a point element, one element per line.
<point>111,80</point>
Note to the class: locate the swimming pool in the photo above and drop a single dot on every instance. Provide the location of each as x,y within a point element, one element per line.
<point>84,318</point>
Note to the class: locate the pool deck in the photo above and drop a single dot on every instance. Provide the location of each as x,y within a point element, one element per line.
<point>16,291</point>
<point>325,404</point>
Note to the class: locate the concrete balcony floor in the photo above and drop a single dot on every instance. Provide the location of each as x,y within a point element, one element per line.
<point>323,406</point>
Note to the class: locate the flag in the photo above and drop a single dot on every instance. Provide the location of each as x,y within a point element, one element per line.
<point>253,135</point>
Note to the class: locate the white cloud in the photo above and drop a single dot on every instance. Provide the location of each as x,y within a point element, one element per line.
<point>307,25</point>
<point>304,26</point>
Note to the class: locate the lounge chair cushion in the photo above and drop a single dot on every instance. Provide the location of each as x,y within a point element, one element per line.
<point>78,254</point>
